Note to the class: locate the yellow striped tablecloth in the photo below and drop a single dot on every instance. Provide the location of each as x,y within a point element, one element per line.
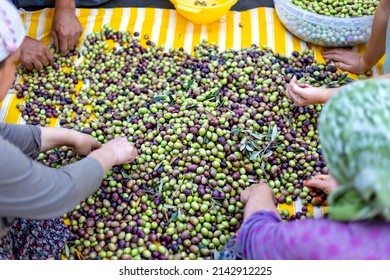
<point>259,26</point>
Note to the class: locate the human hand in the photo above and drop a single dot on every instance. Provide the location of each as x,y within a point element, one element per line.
<point>35,54</point>
<point>253,191</point>
<point>66,30</point>
<point>325,183</point>
<point>123,152</point>
<point>84,143</point>
<point>347,60</point>
<point>304,94</point>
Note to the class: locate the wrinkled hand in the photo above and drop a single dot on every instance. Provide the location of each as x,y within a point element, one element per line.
<point>66,30</point>
<point>304,94</point>
<point>123,152</point>
<point>84,143</point>
<point>347,60</point>
<point>35,54</point>
<point>325,183</point>
<point>253,190</point>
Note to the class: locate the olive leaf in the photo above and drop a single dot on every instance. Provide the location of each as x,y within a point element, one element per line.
<point>262,165</point>
<point>171,99</point>
<point>343,77</point>
<point>174,216</point>
<point>236,131</point>
<point>158,166</point>
<point>194,106</point>
<point>189,84</point>
<point>249,148</point>
<point>158,98</point>
<point>160,186</point>
<point>274,132</point>
<point>169,206</point>
<point>126,176</point>
<point>255,155</point>
<point>215,202</point>
<point>67,251</point>
<point>267,155</point>
<point>180,216</point>
<point>129,119</point>
<point>256,135</point>
<point>281,179</point>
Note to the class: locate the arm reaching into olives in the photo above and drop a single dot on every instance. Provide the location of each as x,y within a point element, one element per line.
<point>258,197</point>
<point>354,62</point>
<point>348,60</point>
<point>35,54</point>
<point>29,189</point>
<point>304,94</point>
<point>66,28</point>
<point>116,151</point>
<point>325,183</point>
<point>52,137</point>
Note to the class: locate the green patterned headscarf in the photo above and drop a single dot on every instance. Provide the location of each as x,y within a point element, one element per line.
<point>354,129</point>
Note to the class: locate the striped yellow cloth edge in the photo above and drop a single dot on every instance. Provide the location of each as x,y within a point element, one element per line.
<point>259,26</point>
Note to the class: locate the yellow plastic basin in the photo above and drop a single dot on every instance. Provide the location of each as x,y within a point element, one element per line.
<point>203,14</point>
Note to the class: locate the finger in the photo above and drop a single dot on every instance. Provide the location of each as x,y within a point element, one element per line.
<point>288,93</point>
<point>291,95</point>
<point>335,57</point>
<point>71,43</point>
<point>319,177</point>
<point>49,56</point>
<point>44,61</point>
<point>296,89</point>
<point>344,66</point>
<point>29,66</point>
<point>76,39</point>
<point>294,80</point>
<point>55,41</point>
<point>63,46</point>
<point>316,183</point>
<point>335,51</point>
<point>96,145</point>
<point>37,64</point>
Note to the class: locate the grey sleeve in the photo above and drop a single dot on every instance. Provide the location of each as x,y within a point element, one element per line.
<point>26,137</point>
<point>31,190</point>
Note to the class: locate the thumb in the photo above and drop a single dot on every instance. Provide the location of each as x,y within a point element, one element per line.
<point>96,145</point>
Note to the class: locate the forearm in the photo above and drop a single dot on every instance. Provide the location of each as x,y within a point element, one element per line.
<point>262,199</point>
<point>326,95</point>
<point>385,76</point>
<point>105,157</point>
<point>52,137</point>
<point>31,190</point>
<point>377,44</point>
<point>65,5</point>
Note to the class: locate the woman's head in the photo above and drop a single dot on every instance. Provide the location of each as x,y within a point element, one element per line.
<point>354,129</point>
<point>12,34</point>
